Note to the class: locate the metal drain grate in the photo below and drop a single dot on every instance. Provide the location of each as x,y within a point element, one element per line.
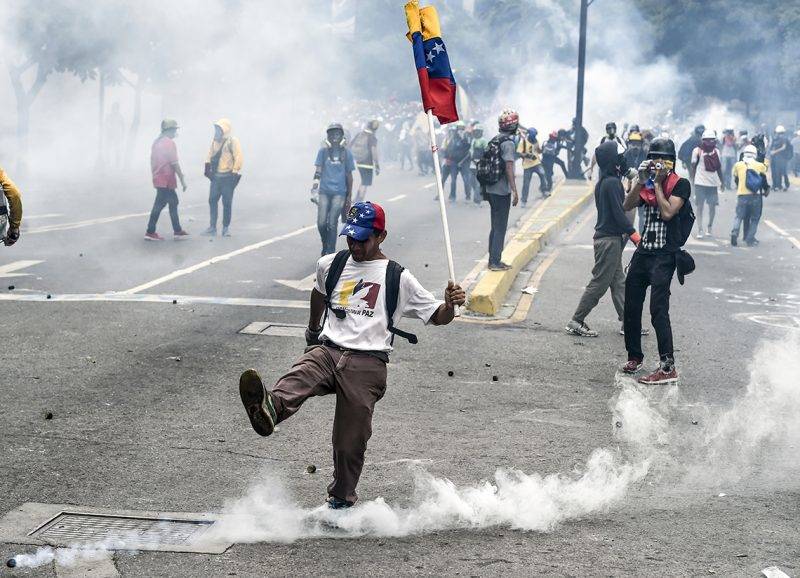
<point>274,329</point>
<point>72,527</point>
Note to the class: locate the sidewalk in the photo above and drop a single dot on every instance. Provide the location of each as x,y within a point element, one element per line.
<point>537,230</point>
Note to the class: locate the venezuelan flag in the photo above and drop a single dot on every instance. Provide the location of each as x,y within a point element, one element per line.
<point>436,81</point>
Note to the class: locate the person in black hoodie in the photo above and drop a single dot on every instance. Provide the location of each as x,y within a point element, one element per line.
<point>610,235</point>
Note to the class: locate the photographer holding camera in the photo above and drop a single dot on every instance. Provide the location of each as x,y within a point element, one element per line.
<point>662,193</point>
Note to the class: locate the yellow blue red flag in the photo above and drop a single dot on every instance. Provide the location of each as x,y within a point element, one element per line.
<point>436,81</point>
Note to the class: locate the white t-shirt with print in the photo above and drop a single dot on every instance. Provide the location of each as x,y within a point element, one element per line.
<point>361,293</point>
<point>703,177</point>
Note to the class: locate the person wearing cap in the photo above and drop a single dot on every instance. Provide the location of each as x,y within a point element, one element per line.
<point>165,168</point>
<point>750,176</point>
<point>11,212</point>
<point>530,152</point>
<point>779,154</point>
<point>654,262</point>
<point>333,185</point>
<point>706,174</point>
<point>349,339</point>
<point>224,170</point>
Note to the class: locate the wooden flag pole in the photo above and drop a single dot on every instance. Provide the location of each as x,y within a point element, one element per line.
<point>442,207</point>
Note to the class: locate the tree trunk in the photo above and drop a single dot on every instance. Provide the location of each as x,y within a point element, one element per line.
<point>138,88</point>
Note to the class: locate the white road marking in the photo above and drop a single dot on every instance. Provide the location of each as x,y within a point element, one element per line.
<point>218,259</point>
<point>151,298</point>
<point>44,216</point>
<point>86,223</point>
<point>397,198</point>
<point>429,186</point>
<point>794,241</point>
<point>715,290</point>
<point>8,270</point>
<point>304,284</point>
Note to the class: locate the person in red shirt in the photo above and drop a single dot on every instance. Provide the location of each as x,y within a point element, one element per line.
<point>165,168</point>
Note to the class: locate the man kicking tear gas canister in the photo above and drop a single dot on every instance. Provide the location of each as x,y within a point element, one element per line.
<point>358,297</point>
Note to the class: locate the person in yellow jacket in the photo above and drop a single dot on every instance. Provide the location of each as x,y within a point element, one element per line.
<point>750,176</point>
<point>531,153</point>
<point>223,169</point>
<point>12,212</point>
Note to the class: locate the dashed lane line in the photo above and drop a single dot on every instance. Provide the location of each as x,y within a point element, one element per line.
<point>793,240</point>
<point>395,199</point>
<point>217,259</point>
<point>151,298</point>
<point>80,224</point>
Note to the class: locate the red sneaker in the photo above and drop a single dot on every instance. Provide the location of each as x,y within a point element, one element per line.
<point>660,377</point>
<point>179,234</point>
<point>153,237</point>
<point>632,366</point>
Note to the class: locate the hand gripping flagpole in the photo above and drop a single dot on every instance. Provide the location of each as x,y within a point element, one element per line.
<point>442,207</point>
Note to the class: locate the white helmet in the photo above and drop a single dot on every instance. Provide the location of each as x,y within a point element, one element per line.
<point>780,129</point>
<point>750,151</point>
<point>709,134</point>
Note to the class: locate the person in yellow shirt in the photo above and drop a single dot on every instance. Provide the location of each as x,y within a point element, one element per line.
<point>751,182</point>
<point>11,212</point>
<point>531,153</point>
<point>223,169</point>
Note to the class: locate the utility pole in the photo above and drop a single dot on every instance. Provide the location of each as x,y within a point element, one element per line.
<point>575,171</point>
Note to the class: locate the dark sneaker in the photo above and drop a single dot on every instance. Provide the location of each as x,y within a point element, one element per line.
<point>180,234</point>
<point>632,366</point>
<point>257,402</point>
<point>210,232</point>
<point>153,237</point>
<point>499,267</point>
<point>579,329</point>
<point>661,376</point>
<point>335,503</point>
<point>734,241</point>
<point>645,330</point>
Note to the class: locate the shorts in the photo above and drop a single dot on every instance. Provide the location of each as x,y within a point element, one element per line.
<point>706,195</point>
<point>366,175</point>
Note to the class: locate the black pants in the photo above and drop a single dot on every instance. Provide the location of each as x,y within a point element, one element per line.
<point>655,270</point>
<point>547,164</point>
<point>221,187</point>
<point>452,171</point>
<point>500,207</point>
<point>164,197</point>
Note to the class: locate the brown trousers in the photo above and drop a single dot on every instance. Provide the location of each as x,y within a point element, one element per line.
<point>359,381</point>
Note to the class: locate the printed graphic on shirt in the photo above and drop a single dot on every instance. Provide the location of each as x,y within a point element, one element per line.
<point>359,297</point>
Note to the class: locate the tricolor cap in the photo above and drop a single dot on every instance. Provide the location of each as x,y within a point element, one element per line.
<point>363,220</point>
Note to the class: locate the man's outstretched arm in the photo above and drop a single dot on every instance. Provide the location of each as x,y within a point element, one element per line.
<point>454,296</point>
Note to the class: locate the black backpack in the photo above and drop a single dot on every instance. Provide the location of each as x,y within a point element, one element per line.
<point>393,272</point>
<point>686,220</point>
<point>491,167</point>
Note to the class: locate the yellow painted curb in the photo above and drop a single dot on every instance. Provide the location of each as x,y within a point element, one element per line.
<point>490,292</point>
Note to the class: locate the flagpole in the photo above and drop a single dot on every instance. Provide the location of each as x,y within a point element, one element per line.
<point>442,207</point>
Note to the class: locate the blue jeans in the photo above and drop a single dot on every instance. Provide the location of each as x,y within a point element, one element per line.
<point>527,176</point>
<point>453,170</point>
<point>500,207</point>
<point>328,211</point>
<point>748,213</point>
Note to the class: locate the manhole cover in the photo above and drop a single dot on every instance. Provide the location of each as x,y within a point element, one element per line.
<point>64,525</point>
<point>274,329</point>
<point>73,527</point>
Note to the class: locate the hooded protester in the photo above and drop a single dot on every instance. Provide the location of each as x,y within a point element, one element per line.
<point>610,235</point>
<point>10,210</point>
<point>750,176</point>
<point>333,185</point>
<point>610,136</point>
<point>223,169</point>
<point>706,174</point>
<point>688,146</point>
<point>165,167</point>
<point>653,265</point>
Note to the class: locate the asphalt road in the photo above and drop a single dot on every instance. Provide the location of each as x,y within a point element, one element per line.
<point>146,414</point>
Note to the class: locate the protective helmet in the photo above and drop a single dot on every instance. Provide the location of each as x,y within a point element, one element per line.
<point>750,151</point>
<point>334,126</point>
<point>780,129</point>
<point>554,134</point>
<point>661,148</point>
<point>634,128</point>
<point>169,123</point>
<point>508,120</point>
<point>699,129</point>
<point>532,132</point>
<point>611,126</point>
<point>635,137</point>
<point>709,134</point>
